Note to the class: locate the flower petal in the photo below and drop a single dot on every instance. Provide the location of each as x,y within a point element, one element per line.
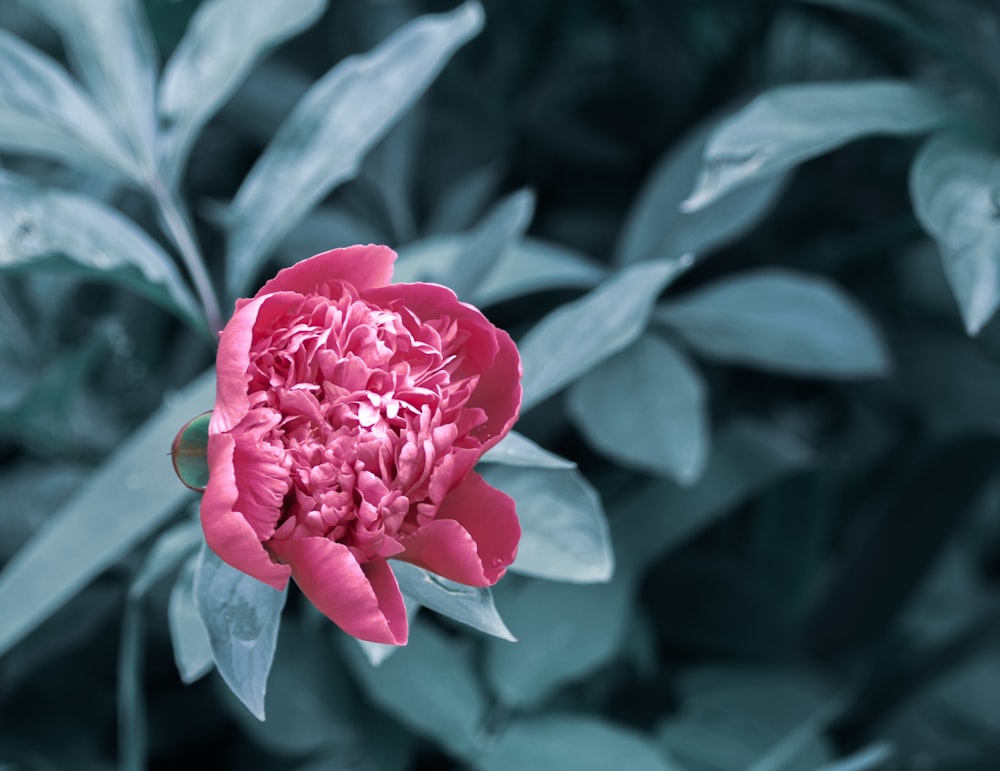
<point>499,395</point>
<point>363,600</point>
<point>472,539</point>
<point>364,266</point>
<point>227,531</point>
<point>233,357</point>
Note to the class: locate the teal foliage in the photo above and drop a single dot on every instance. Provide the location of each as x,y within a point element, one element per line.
<point>750,254</point>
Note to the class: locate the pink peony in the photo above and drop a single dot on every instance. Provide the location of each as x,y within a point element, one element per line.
<point>349,415</point>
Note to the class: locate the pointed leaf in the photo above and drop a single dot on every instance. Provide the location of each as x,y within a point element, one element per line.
<point>505,223</point>
<point>783,321</point>
<point>656,226</point>
<point>47,229</point>
<point>89,532</point>
<point>791,124</point>
<point>109,45</point>
<point>44,112</point>
<point>955,186</point>
<point>429,686</point>
<point>169,550</point>
<point>580,335</point>
<point>564,532</point>
<point>222,44</point>
<point>322,142</point>
<point>472,605</point>
<point>555,742</point>
<point>565,630</point>
<point>241,616</point>
<point>517,450</point>
<point>645,407</point>
<point>192,648</point>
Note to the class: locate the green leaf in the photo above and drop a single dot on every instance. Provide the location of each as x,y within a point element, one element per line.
<point>743,719</point>
<point>222,44</point>
<point>791,124</point>
<point>517,450</point>
<point>782,321</point>
<point>503,225</point>
<point>242,616</point>
<point>44,112</point>
<point>322,142</point>
<point>464,200</point>
<point>645,407</point>
<point>472,605</point>
<point>565,632</point>
<point>190,452</point>
<point>127,498</point>
<point>47,229</point>
<point>169,550</point>
<point>565,742</point>
<point>955,187</point>
<point>192,648</point>
<point>659,517</point>
<point>429,686</point>
<point>525,266</point>
<point>564,533</point>
<point>869,758</point>
<point>656,226</point>
<point>578,336</point>
<point>110,47</point>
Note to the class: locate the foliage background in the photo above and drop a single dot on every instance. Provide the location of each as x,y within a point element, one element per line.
<point>805,522</point>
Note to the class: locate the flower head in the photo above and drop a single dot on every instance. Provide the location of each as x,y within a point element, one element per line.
<point>349,415</point>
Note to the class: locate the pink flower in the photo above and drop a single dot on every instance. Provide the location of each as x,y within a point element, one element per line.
<point>349,415</point>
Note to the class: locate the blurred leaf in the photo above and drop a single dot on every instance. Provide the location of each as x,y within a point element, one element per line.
<point>656,226</point>
<point>43,112</point>
<point>48,229</point>
<point>241,616</point>
<point>780,320</point>
<point>525,266</point>
<point>533,265</point>
<point>564,533</point>
<point>109,45</point>
<point>581,334</point>
<point>658,517</point>
<point>429,686</point>
<point>505,223</point>
<point>787,125</point>
<point>324,227</point>
<point>565,742</point>
<point>913,521</point>
<point>868,758</point>
<point>336,122</point>
<point>89,533</point>
<point>375,652</point>
<point>169,549</point>
<point>517,450</point>
<point>192,648</point>
<point>310,701</point>
<point>955,187</point>
<point>566,631</point>
<point>470,605</point>
<point>645,407</point>
<point>742,719</point>
<point>31,490</point>
<point>462,202</point>
<point>222,44</point>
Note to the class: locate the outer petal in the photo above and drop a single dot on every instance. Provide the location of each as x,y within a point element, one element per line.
<point>227,532</point>
<point>473,538</point>
<point>363,266</point>
<point>363,600</point>
<point>499,393</point>
<point>233,357</point>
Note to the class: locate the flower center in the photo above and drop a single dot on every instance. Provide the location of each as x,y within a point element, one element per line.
<point>362,408</point>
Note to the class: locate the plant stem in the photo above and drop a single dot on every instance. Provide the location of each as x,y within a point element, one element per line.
<point>177,229</point>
